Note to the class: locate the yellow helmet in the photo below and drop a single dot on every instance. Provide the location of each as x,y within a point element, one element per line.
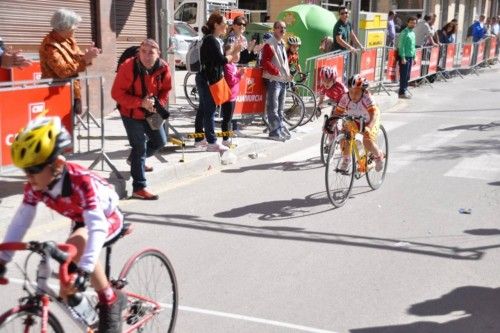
<point>40,142</point>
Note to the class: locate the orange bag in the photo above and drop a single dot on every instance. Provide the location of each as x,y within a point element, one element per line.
<point>220,91</point>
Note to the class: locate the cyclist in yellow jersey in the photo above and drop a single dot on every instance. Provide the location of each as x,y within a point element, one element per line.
<point>359,102</point>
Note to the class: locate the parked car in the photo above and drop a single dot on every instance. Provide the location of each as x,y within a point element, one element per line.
<point>180,41</point>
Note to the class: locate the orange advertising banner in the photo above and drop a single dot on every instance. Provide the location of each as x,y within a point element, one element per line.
<point>392,65</point>
<point>369,64</point>
<point>480,52</point>
<point>433,61</point>
<point>466,56</point>
<point>33,72</point>
<point>450,56</point>
<point>416,69</point>
<point>493,47</point>
<point>335,61</point>
<point>17,107</point>
<point>251,96</point>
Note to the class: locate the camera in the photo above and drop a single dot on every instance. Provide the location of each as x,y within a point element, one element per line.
<point>256,37</point>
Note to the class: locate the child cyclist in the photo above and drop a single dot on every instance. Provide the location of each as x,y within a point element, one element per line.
<point>77,193</point>
<point>358,102</point>
<point>292,54</point>
<point>329,86</point>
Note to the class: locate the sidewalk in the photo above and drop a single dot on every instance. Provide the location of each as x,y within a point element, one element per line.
<point>169,170</point>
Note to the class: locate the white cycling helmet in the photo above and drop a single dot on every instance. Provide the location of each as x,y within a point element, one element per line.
<point>328,73</point>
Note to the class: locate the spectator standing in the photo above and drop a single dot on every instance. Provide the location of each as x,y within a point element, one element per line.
<point>212,70</point>
<point>277,73</point>
<point>292,53</point>
<point>9,59</point>
<point>249,52</point>
<point>478,30</point>
<point>424,34</point>
<point>445,34</point>
<point>454,34</point>
<point>233,76</point>
<point>60,56</point>
<point>344,38</point>
<point>391,30</point>
<point>495,27</point>
<point>406,53</point>
<point>136,97</point>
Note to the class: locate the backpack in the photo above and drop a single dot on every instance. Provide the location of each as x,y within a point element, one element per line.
<point>193,63</point>
<point>128,53</point>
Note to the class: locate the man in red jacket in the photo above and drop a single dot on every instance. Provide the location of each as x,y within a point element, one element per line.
<point>140,82</point>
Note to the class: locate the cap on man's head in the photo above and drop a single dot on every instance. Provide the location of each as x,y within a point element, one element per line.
<point>151,42</point>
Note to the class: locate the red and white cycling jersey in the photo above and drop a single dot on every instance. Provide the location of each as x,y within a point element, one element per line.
<point>83,197</point>
<point>335,92</point>
<point>364,107</point>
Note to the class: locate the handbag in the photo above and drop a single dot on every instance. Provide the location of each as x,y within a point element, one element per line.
<point>220,91</point>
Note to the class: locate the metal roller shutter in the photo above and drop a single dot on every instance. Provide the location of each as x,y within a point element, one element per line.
<point>24,23</point>
<point>132,23</point>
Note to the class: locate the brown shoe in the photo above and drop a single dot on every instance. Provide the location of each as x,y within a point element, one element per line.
<point>144,194</point>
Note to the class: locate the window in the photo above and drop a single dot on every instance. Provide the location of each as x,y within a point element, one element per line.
<point>186,13</point>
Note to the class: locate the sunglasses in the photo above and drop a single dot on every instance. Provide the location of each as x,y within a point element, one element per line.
<point>344,13</point>
<point>241,24</point>
<point>280,27</point>
<point>36,169</point>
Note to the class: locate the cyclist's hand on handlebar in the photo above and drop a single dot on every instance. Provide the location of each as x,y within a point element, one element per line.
<point>82,280</point>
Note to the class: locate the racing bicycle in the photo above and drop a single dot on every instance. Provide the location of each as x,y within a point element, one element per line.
<point>339,181</point>
<point>147,279</point>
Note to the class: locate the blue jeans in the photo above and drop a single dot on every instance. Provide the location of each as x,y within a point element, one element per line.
<point>275,101</point>
<point>404,75</point>
<point>205,115</point>
<point>145,142</point>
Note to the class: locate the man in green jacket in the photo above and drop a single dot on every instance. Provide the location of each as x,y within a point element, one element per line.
<point>406,53</point>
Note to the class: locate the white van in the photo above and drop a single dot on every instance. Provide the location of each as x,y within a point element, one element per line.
<point>193,12</point>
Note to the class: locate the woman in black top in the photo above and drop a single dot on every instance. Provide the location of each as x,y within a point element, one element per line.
<point>212,70</point>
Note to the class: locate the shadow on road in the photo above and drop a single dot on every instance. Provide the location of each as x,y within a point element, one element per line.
<point>300,234</point>
<point>473,127</point>
<point>479,304</point>
<point>309,164</point>
<point>471,148</point>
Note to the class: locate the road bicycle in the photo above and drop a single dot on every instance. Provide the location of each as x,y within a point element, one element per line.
<point>339,180</point>
<point>147,279</point>
<point>308,97</point>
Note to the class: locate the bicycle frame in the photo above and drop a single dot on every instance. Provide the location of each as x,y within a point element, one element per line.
<point>38,302</point>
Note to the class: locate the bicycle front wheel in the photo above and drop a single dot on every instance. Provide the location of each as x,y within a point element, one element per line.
<point>373,177</point>
<point>22,319</point>
<point>338,180</point>
<point>149,274</point>
<point>190,90</point>
<point>309,99</point>
<point>293,109</point>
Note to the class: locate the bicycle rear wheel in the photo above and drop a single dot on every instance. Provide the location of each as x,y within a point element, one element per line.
<point>373,177</point>
<point>190,90</point>
<point>150,274</point>
<point>309,99</point>
<point>338,182</point>
<point>23,319</point>
<point>293,109</point>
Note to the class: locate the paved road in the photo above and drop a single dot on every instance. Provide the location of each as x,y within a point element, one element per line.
<point>257,247</point>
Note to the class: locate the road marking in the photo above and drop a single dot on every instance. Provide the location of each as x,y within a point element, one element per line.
<point>405,154</point>
<point>224,314</point>
<point>483,167</point>
<point>254,319</point>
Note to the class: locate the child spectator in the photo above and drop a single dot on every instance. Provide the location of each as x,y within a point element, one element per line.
<point>292,53</point>
<point>233,76</point>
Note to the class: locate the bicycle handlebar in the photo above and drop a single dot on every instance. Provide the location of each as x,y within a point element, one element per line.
<point>63,253</point>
